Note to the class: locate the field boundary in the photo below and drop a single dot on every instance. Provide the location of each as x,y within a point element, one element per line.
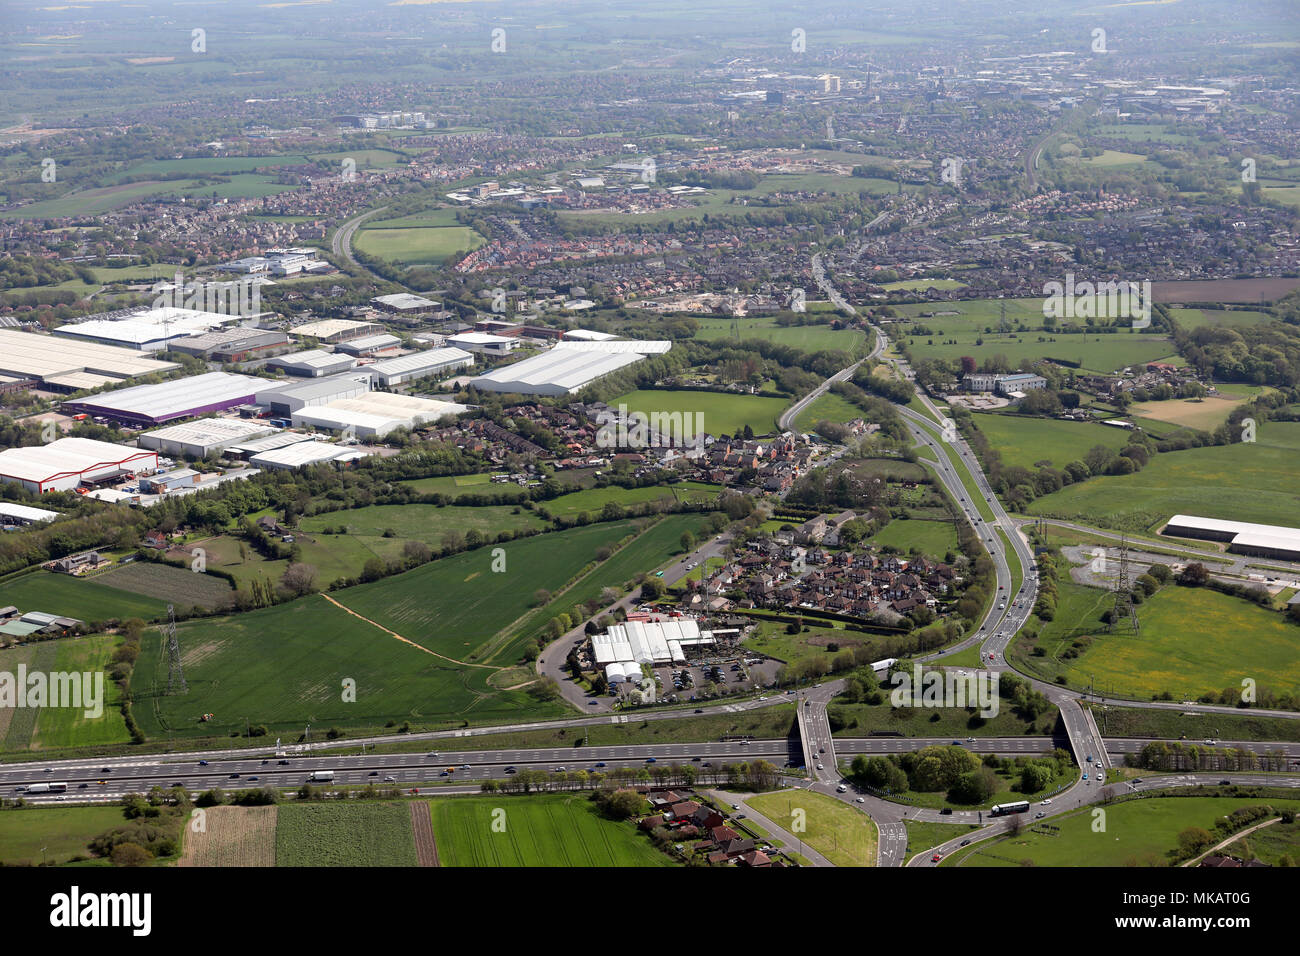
<point>426,846</point>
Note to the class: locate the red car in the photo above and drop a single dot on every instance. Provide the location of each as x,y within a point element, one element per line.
<point>935,858</point>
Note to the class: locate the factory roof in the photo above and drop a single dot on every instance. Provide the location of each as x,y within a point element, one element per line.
<point>41,356</point>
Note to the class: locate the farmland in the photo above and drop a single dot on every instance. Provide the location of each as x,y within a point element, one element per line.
<point>1232,639</point>
<point>724,413</point>
<point>85,600</point>
<point>283,666</point>
<point>1026,441</point>
<point>168,584</point>
<point>592,500</point>
<point>70,726</point>
<point>344,834</point>
<point>540,830</point>
<point>827,407</point>
<point>1137,833</point>
<point>1205,414</point>
<point>1241,482</point>
<point>233,836</point>
<point>425,523</point>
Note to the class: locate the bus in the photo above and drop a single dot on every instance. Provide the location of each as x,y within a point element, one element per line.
<point>1002,809</point>
<point>48,788</point>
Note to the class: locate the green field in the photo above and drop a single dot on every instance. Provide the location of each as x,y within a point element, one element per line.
<point>418,244</point>
<point>724,413</point>
<point>974,330</point>
<point>85,600</point>
<point>172,585</point>
<point>354,833</point>
<point>592,500</point>
<point>933,538</point>
<point>61,832</point>
<point>836,830</point>
<point>425,523</point>
<point>1193,318</point>
<point>454,484</point>
<point>808,338</point>
<point>1026,441</point>
<point>284,666</point>
<point>826,407</point>
<point>69,726</point>
<point>539,830</point>
<point>1231,639</point>
<point>1242,482</point>
<point>1137,833</point>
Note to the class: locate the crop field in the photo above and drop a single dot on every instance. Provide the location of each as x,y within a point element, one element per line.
<point>425,523</point>
<point>724,412</point>
<point>22,720</point>
<point>1192,641</point>
<point>1205,414</point>
<point>1138,833</point>
<point>1242,482</point>
<point>168,584</point>
<point>809,338</point>
<point>539,830</point>
<point>91,202</point>
<point>11,658</point>
<point>352,833</point>
<point>60,832</point>
<point>933,538</point>
<point>1026,441</point>
<point>418,244</point>
<point>1225,291</point>
<point>70,726</point>
<point>233,836</point>
<point>85,600</point>
<point>455,606</point>
<point>592,500</point>
<point>839,832</point>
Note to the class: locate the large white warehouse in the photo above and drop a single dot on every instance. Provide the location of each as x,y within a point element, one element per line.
<point>64,464</point>
<point>417,365</point>
<point>202,437</point>
<point>561,371</point>
<point>375,414</point>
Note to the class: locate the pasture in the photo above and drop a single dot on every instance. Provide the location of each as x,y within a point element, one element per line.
<point>538,830</point>
<point>427,523</point>
<point>592,500</point>
<point>932,538</point>
<point>724,412</point>
<point>70,726</point>
<point>1242,482</point>
<point>1026,441</point>
<point>827,407</point>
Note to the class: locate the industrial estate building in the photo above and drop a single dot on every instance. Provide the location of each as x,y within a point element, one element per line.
<point>375,414</point>
<point>332,331</point>
<point>285,398</point>
<point>203,437</point>
<point>303,453</point>
<point>237,344</point>
<point>65,364</point>
<point>369,345</point>
<point>167,401</point>
<point>313,363</point>
<point>388,373</point>
<point>560,371</point>
<point>150,330</point>
<point>13,514</point>
<point>67,463</point>
<point>484,342</point>
<point>1260,540</point>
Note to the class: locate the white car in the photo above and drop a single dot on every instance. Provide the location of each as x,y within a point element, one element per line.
<point>820,767</point>
<point>1046,803</point>
<point>841,789</point>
